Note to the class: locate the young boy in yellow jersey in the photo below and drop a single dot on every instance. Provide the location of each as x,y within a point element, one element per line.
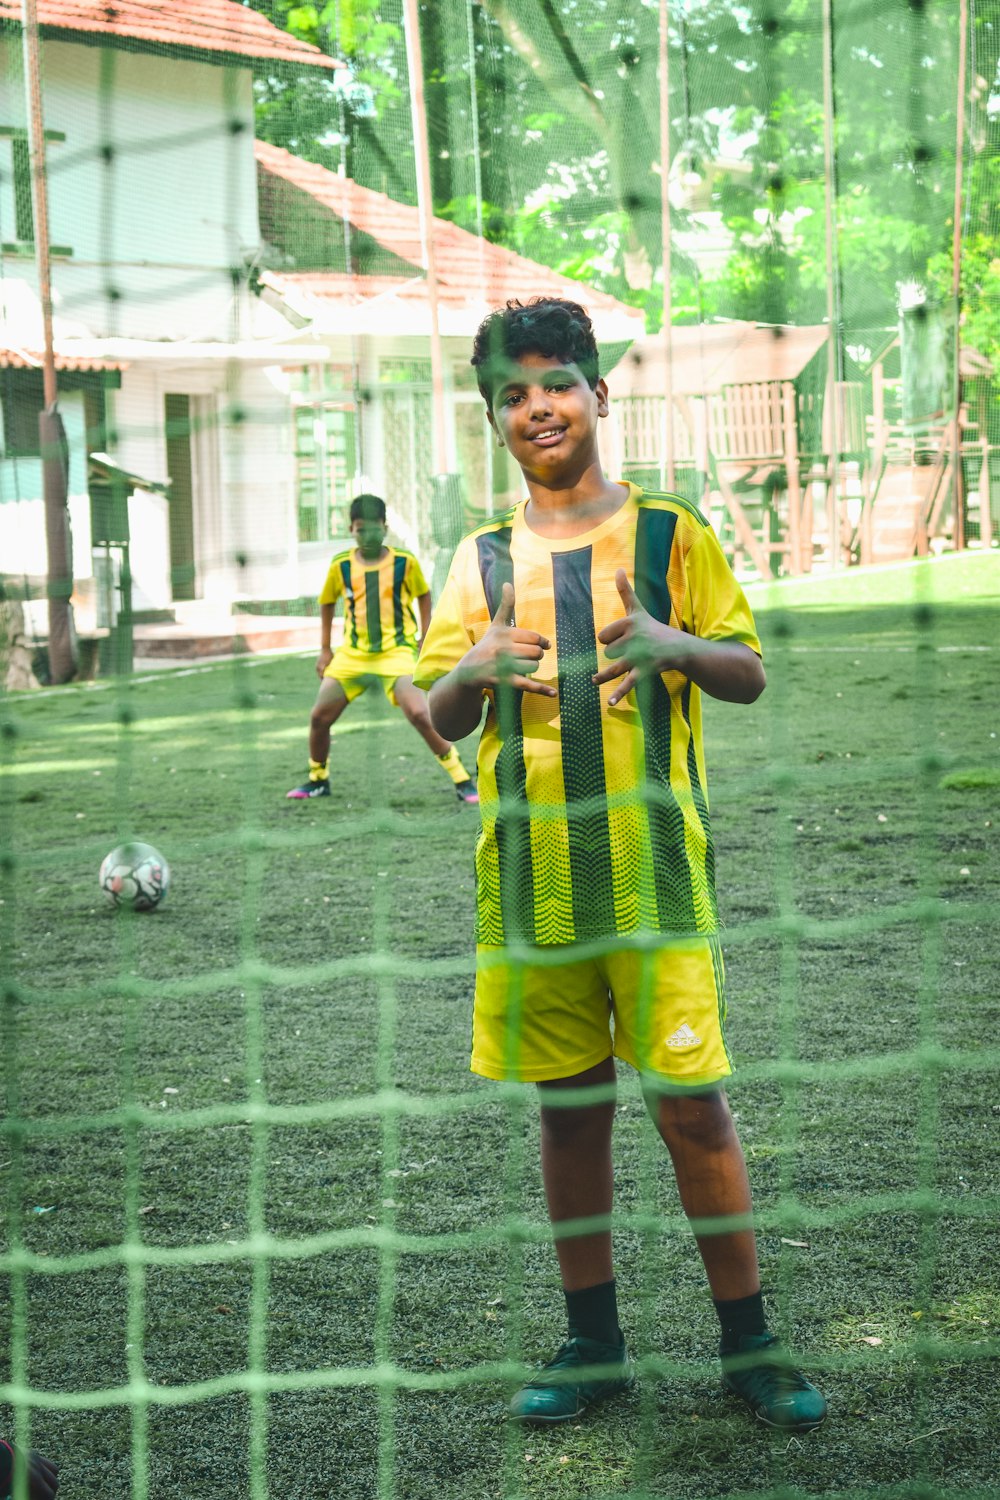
<point>379,586</point>
<point>591,618</point>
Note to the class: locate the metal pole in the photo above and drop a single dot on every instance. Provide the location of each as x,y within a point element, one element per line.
<point>667,458</point>
<point>40,203</point>
<point>957,477</point>
<point>62,653</point>
<point>470,34</point>
<point>425,207</point>
<point>833,303</point>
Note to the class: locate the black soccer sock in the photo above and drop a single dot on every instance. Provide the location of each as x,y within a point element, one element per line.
<point>740,1316</point>
<point>593,1313</point>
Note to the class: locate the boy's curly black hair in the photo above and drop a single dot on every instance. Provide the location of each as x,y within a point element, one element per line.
<point>551,326</point>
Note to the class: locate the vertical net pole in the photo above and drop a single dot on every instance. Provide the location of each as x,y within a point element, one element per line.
<point>513,1198</point>
<point>256,1088</point>
<point>9,1048</point>
<point>834,311</point>
<point>425,205</point>
<point>667,473</point>
<point>62,652</point>
<point>477,169</point>
<point>126,946</point>
<point>789,974</point>
<point>385,1085</point>
<point>653,1234</point>
<point>929,1082</point>
<point>957,475</point>
<point>239,430</point>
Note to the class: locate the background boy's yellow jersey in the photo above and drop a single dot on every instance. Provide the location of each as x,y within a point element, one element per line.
<point>378,598</point>
<point>594,819</point>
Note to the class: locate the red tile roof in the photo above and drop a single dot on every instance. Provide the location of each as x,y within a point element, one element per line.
<point>708,356</point>
<point>219,26</point>
<point>27,359</point>
<point>468,268</point>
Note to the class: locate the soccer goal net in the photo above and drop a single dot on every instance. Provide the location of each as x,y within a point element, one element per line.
<point>263,1233</point>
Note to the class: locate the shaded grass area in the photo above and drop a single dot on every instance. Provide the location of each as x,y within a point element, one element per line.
<point>862,783</point>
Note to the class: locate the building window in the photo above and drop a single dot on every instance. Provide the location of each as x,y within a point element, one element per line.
<point>21,403</point>
<point>24,210</point>
<point>326,451</point>
<point>404,372</point>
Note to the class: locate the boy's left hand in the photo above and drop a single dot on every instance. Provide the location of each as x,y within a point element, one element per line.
<point>638,646</point>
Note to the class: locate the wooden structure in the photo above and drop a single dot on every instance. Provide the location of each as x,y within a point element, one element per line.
<point>750,439</point>
<point>920,481</point>
<point>750,435</point>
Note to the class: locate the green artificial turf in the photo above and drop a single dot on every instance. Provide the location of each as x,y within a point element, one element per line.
<point>317,958</point>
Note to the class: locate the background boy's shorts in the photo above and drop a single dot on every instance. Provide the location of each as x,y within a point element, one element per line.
<point>537,1022</point>
<point>356,670</point>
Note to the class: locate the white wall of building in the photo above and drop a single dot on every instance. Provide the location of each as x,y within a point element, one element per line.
<point>154,190</point>
<point>243,472</point>
<point>154,226</point>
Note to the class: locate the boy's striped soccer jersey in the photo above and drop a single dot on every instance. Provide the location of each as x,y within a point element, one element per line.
<point>594,819</point>
<point>378,599</point>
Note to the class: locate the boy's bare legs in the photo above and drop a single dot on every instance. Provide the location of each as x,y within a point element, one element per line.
<point>708,1162</point>
<point>699,1133</point>
<point>713,1184</point>
<point>711,1179</point>
<point>331,700</point>
<point>578,1176</point>
<point>413,702</point>
<point>579,1184</point>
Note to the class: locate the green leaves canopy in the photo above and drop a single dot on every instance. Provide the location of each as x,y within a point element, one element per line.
<point>543,118</point>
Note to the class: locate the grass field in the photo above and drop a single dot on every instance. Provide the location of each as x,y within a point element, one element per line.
<point>317,958</point>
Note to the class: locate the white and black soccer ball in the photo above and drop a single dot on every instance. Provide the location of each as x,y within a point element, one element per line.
<point>135,876</point>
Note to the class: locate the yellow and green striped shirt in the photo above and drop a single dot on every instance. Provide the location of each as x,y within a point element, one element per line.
<point>378,598</point>
<point>594,819</point>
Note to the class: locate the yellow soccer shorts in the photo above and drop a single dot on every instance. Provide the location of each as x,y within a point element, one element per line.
<point>661,1009</point>
<point>356,670</point>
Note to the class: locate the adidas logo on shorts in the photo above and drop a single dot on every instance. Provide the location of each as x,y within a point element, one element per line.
<point>684,1037</point>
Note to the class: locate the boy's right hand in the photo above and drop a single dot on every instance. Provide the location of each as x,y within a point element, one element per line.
<point>323,660</point>
<point>507,655</point>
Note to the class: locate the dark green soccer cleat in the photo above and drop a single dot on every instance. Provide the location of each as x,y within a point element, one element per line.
<point>583,1373</point>
<point>774,1391</point>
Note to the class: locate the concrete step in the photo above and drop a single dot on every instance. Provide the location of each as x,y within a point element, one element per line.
<point>201,634</point>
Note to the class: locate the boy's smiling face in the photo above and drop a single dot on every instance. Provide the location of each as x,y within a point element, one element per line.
<point>546,414</point>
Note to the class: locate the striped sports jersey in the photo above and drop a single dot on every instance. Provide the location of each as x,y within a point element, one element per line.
<point>378,598</point>
<point>594,819</point>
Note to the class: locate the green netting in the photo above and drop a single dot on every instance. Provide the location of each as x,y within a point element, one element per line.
<point>263,1235</point>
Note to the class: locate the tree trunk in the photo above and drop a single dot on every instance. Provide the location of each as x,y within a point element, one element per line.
<point>15,649</point>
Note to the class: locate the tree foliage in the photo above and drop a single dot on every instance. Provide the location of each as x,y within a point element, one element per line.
<point>544,131</point>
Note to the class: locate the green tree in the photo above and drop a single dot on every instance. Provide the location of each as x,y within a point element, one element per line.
<point>543,118</point>
<point>317,118</point>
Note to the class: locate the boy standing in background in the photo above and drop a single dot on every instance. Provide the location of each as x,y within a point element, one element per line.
<point>379,586</point>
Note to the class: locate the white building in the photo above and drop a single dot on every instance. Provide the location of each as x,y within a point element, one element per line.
<point>165,357</point>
